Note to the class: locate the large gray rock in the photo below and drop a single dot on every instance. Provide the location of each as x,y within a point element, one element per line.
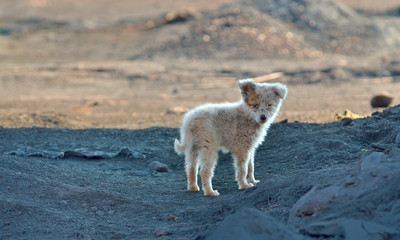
<point>252,224</point>
<point>351,229</point>
<point>365,205</point>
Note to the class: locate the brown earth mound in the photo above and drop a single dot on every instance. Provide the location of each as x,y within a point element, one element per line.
<point>254,29</point>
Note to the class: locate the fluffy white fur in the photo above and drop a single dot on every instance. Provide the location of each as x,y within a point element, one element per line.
<point>238,127</point>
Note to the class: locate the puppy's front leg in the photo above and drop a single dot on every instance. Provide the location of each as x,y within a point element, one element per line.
<point>241,166</point>
<point>250,171</point>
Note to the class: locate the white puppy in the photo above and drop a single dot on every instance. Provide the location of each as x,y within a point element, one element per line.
<point>238,127</point>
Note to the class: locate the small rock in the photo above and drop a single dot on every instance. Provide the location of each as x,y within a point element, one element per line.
<point>346,115</point>
<point>94,209</point>
<point>172,217</point>
<point>177,110</point>
<point>381,100</point>
<point>100,213</point>
<point>158,167</point>
<point>394,154</point>
<point>371,161</point>
<point>347,121</point>
<point>284,121</point>
<point>397,139</point>
<point>357,229</point>
<point>162,231</point>
<point>111,212</point>
<point>312,202</point>
<point>378,148</point>
<point>118,236</point>
<point>324,228</point>
<point>182,15</point>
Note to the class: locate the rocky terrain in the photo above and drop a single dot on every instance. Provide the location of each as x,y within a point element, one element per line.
<point>336,180</point>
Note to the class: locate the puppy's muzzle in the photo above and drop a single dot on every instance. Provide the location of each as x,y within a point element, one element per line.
<point>263,118</point>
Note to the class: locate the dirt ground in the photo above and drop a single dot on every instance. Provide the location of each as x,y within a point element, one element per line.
<point>92,93</point>
<point>99,184</point>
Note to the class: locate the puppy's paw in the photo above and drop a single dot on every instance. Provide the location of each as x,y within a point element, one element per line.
<point>245,186</point>
<point>193,188</point>
<point>213,193</point>
<point>254,182</point>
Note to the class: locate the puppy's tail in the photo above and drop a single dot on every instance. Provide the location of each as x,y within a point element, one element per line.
<point>186,141</point>
<point>179,147</point>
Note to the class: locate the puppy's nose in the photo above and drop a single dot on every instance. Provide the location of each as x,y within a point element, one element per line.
<point>263,118</point>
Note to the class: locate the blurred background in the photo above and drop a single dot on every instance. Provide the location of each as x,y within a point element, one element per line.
<point>139,64</point>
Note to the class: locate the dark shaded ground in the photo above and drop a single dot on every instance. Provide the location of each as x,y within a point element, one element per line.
<point>121,197</point>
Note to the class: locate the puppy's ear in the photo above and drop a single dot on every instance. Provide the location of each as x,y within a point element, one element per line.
<point>247,86</point>
<point>280,90</point>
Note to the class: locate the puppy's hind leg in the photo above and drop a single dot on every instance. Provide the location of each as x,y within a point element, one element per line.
<point>192,166</point>
<point>208,163</point>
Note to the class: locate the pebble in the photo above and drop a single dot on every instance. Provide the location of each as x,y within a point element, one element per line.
<point>381,100</point>
<point>158,167</point>
<point>177,110</point>
<point>162,231</point>
<point>100,213</point>
<point>346,115</point>
<point>313,201</point>
<point>111,212</point>
<point>397,139</point>
<point>182,15</point>
<point>118,236</point>
<point>347,121</point>
<point>394,154</point>
<point>372,161</point>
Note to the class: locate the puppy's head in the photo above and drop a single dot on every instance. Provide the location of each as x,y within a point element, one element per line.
<point>263,100</point>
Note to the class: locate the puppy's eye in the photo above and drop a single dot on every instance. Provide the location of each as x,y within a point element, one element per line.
<point>255,106</point>
<point>269,105</point>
